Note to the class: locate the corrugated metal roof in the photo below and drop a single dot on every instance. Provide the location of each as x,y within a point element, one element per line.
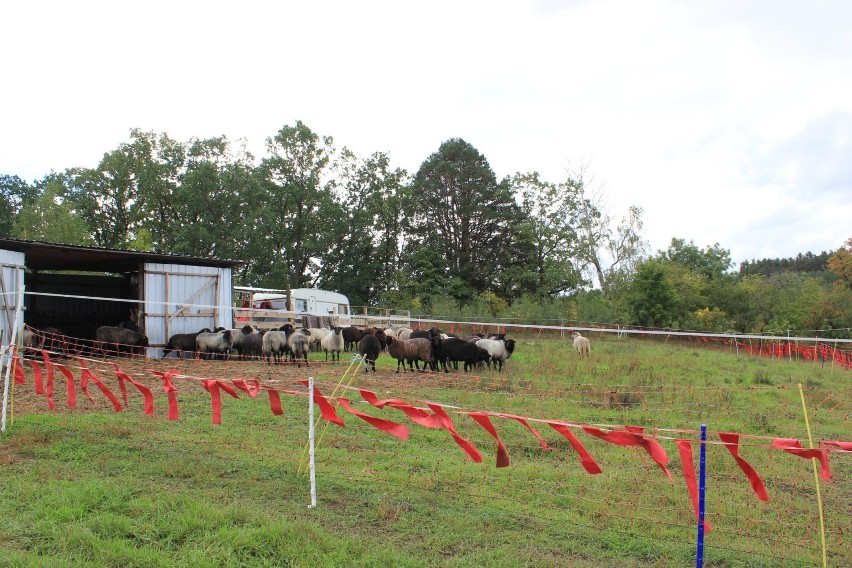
<point>52,256</point>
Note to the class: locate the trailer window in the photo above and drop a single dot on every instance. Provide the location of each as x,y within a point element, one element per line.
<point>300,305</point>
<point>343,309</point>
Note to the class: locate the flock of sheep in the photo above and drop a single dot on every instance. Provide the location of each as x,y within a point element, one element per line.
<point>432,348</point>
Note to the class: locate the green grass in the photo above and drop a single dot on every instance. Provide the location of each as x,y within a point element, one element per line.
<point>98,488</point>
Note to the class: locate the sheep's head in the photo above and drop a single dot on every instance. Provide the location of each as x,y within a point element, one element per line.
<point>510,345</point>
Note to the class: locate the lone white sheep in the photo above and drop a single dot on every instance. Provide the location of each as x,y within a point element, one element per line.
<point>582,344</point>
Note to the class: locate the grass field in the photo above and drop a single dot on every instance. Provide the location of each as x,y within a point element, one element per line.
<point>92,487</point>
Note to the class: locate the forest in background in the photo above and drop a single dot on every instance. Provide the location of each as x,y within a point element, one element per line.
<point>449,239</point>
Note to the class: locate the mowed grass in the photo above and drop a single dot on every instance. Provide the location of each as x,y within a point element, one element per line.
<point>91,487</point>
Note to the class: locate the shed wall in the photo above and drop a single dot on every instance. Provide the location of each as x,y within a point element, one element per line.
<point>184,299</point>
<point>11,283</point>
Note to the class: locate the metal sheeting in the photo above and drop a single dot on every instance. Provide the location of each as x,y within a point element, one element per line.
<point>11,283</point>
<point>184,299</point>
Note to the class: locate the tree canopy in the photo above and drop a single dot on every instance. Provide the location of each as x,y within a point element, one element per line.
<point>451,236</point>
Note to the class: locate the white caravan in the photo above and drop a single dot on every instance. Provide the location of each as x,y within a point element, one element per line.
<point>311,301</point>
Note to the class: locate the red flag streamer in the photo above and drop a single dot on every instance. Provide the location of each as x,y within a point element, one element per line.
<point>841,446</point>
<point>502,453</point>
<point>171,391</point>
<point>215,399</point>
<point>464,444</point>
<point>634,436</point>
<point>525,424</point>
<point>586,459</point>
<point>243,385</point>
<point>684,448</point>
<point>122,386</point>
<point>794,447</point>
<point>147,395</point>
<point>732,442</point>
<point>392,428</point>
<point>213,386</point>
<point>37,379</point>
<point>87,374</point>
<point>416,415</point>
<point>71,385</point>
<point>84,380</point>
<point>48,391</point>
<point>20,378</point>
<point>327,410</point>
<point>274,401</point>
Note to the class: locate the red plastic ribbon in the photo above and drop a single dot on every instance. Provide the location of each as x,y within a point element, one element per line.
<point>252,389</point>
<point>634,436</point>
<point>732,442</point>
<point>49,387</point>
<point>147,395</point>
<point>20,378</point>
<point>842,446</point>
<point>84,380</point>
<point>274,401</point>
<point>464,444</point>
<point>525,424</point>
<point>485,422</point>
<point>392,428</point>
<point>326,408</point>
<point>71,385</point>
<point>684,448</point>
<point>39,384</point>
<point>794,447</point>
<point>213,386</point>
<point>86,374</point>
<point>171,391</point>
<point>416,415</point>
<point>586,459</point>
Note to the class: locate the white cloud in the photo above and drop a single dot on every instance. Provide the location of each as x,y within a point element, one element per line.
<point>727,122</point>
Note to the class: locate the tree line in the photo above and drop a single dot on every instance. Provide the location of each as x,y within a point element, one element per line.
<point>450,238</point>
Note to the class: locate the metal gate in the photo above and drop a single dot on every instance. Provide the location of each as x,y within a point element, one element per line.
<point>184,299</point>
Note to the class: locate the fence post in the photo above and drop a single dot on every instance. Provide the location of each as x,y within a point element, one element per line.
<point>702,476</point>
<point>13,339</point>
<point>311,455</point>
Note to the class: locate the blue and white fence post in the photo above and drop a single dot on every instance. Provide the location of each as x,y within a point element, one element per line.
<point>702,477</point>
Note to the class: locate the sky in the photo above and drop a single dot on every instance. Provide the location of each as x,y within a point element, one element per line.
<point>727,122</point>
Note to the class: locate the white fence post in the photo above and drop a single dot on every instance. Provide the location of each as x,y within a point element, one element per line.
<point>311,455</point>
<point>12,343</point>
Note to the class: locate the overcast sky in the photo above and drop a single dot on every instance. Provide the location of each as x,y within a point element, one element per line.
<point>728,122</point>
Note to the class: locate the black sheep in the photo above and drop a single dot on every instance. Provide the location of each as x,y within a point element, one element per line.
<point>455,350</point>
<point>351,337</point>
<point>181,342</point>
<point>118,340</point>
<point>369,348</point>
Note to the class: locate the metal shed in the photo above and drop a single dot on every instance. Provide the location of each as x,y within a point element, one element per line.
<point>76,289</point>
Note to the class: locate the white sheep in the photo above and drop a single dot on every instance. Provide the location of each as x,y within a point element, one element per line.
<point>317,333</point>
<point>582,344</point>
<point>499,350</point>
<point>333,343</point>
<point>404,333</point>
<point>274,345</point>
